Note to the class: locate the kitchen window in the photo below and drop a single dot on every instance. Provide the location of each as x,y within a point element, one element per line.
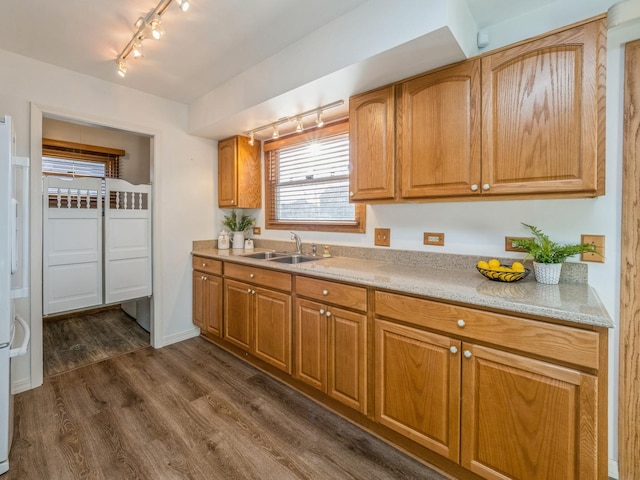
<point>62,158</point>
<point>307,182</point>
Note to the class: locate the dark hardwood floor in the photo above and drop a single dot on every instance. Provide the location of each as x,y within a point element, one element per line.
<point>189,411</point>
<point>75,341</point>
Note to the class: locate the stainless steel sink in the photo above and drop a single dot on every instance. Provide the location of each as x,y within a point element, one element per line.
<point>293,259</point>
<point>266,255</point>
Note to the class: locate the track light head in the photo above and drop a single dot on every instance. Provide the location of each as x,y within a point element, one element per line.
<point>156,28</point>
<point>136,50</point>
<point>319,121</point>
<point>122,67</point>
<point>276,133</point>
<point>183,5</point>
<point>300,125</point>
<point>251,139</point>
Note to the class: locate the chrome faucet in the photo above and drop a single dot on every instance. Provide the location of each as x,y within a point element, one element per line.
<point>298,240</point>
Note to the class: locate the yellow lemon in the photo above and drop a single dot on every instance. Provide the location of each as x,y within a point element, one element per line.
<point>517,267</point>
<point>493,263</point>
<point>483,264</point>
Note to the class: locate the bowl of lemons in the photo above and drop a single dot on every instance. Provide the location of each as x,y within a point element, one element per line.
<point>498,272</point>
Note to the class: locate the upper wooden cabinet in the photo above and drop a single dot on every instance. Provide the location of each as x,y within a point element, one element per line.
<point>525,121</point>
<point>439,131</point>
<point>239,173</point>
<point>372,145</point>
<point>543,114</point>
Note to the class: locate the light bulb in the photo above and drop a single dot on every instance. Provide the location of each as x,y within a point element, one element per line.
<point>137,49</point>
<point>276,134</point>
<point>183,5</point>
<point>122,67</point>
<point>319,121</point>
<point>251,139</point>
<point>300,126</point>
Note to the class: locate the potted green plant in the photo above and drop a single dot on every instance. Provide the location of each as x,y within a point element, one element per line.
<point>237,226</point>
<point>548,256</point>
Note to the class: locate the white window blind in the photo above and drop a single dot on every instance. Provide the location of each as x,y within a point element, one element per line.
<point>312,182</point>
<point>75,168</point>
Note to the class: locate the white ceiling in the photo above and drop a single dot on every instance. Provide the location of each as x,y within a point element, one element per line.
<point>213,42</point>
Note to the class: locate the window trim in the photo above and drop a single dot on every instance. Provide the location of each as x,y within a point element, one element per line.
<point>336,128</point>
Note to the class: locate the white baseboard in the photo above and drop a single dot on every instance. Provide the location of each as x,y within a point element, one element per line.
<point>178,337</point>
<point>613,469</point>
<point>19,386</point>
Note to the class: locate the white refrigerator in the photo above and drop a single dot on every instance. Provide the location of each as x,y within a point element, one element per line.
<point>13,273</point>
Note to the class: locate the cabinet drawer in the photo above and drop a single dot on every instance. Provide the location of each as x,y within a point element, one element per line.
<point>332,292</point>
<point>207,265</point>
<point>562,343</point>
<point>259,276</point>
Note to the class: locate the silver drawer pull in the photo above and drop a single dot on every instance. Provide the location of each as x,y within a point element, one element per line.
<point>467,354</point>
<point>322,311</point>
<point>328,314</point>
<point>325,292</point>
<point>251,275</point>
<point>461,323</point>
<point>453,349</point>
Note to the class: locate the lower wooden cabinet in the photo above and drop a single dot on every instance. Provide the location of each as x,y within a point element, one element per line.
<point>207,297</point>
<point>526,419</point>
<point>258,320</point>
<point>331,351</point>
<point>417,389</point>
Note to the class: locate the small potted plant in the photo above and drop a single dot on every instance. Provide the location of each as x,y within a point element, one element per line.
<point>237,226</point>
<point>548,256</point>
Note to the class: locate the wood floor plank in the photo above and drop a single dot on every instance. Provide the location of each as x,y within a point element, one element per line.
<point>189,411</point>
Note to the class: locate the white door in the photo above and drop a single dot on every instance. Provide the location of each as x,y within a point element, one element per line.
<point>127,249</point>
<point>72,244</point>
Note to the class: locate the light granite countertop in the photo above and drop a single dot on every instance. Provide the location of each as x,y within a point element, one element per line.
<point>577,303</point>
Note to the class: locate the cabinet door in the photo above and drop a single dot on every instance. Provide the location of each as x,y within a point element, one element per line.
<point>272,327</point>
<point>227,173</point>
<point>197,303</point>
<point>543,114</point>
<point>347,379</point>
<point>372,145</point>
<point>526,419</point>
<point>417,390</point>
<point>440,136</point>
<point>238,302</point>
<point>311,343</point>
<point>212,312</point>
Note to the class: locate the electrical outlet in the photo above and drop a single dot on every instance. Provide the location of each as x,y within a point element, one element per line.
<point>598,255</point>
<point>382,237</point>
<point>257,230</point>
<point>431,238</point>
<point>508,243</point>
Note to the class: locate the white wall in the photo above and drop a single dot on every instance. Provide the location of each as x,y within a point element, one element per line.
<point>182,174</point>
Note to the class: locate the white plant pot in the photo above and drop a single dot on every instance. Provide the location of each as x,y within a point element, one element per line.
<point>547,273</point>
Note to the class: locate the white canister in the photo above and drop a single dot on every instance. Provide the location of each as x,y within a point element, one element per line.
<point>237,240</point>
<point>223,241</point>
<point>248,244</point>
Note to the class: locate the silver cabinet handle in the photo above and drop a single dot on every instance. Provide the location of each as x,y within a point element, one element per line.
<point>325,292</point>
<point>461,323</point>
<point>251,275</point>
<point>204,264</point>
<point>467,354</point>
<point>253,292</point>
<point>474,187</point>
<point>328,314</point>
<point>322,311</point>
<point>486,186</point>
<point>453,349</point>
<point>248,290</point>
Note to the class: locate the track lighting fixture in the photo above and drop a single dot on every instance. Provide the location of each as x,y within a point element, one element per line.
<point>147,26</point>
<point>297,118</point>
